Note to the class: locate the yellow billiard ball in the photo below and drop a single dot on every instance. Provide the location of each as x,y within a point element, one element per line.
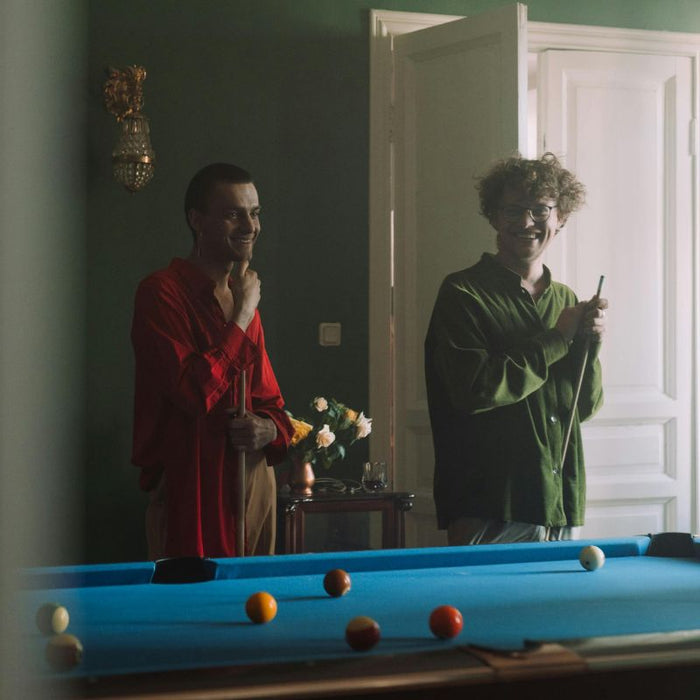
<point>52,618</point>
<point>261,607</point>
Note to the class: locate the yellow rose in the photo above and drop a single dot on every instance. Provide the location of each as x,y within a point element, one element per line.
<point>351,415</point>
<point>301,430</point>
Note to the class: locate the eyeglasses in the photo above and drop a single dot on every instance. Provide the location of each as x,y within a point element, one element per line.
<point>539,213</point>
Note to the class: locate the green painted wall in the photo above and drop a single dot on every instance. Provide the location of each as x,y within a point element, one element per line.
<point>280,87</point>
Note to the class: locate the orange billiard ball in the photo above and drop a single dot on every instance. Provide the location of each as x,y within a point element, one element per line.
<point>446,622</point>
<point>63,652</point>
<point>337,582</point>
<point>52,618</point>
<point>362,633</point>
<point>261,607</point>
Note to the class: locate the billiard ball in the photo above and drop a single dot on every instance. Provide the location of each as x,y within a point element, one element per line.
<point>261,607</point>
<point>362,633</point>
<point>446,622</point>
<point>52,618</point>
<point>591,557</point>
<point>63,652</point>
<point>337,582</point>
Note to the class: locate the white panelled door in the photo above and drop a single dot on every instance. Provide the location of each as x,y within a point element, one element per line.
<point>623,118</point>
<point>622,122</point>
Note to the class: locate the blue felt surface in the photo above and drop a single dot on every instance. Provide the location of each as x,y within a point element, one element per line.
<point>531,592</point>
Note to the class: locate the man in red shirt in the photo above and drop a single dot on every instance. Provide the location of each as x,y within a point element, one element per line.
<point>196,327</point>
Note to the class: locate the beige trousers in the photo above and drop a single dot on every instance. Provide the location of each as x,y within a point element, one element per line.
<point>487,531</point>
<point>260,510</point>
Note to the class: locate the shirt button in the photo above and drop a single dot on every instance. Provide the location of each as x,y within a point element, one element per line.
<point>553,419</point>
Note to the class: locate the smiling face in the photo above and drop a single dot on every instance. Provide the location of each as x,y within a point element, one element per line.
<point>522,241</point>
<point>228,228</point>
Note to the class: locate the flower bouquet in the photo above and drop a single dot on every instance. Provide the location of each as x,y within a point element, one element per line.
<point>325,437</point>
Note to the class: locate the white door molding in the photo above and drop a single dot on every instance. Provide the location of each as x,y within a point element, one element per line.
<point>384,25</point>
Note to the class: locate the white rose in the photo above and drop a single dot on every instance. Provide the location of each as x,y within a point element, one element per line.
<point>320,404</point>
<point>325,437</point>
<point>363,426</point>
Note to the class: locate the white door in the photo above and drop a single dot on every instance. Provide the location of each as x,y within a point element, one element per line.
<point>622,122</point>
<point>450,82</point>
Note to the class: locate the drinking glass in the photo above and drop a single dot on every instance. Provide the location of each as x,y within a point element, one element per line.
<point>374,476</point>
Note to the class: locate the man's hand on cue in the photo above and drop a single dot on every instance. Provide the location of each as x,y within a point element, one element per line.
<point>569,320</point>
<point>251,432</point>
<point>593,324</point>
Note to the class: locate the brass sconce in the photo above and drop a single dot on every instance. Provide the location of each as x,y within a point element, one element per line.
<point>133,157</point>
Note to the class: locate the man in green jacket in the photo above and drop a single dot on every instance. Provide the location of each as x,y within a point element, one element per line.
<point>502,357</point>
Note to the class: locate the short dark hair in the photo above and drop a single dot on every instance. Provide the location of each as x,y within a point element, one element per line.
<point>544,177</point>
<point>204,181</point>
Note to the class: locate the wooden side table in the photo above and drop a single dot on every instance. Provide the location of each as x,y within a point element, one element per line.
<point>292,509</point>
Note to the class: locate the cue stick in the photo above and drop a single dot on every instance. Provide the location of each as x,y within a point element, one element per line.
<point>579,381</point>
<point>240,478</point>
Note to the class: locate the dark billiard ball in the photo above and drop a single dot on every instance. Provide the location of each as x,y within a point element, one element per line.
<point>261,607</point>
<point>52,618</point>
<point>362,633</point>
<point>446,622</point>
<point>591,557</point>
<point>337,582</point>
<point>63,652</point>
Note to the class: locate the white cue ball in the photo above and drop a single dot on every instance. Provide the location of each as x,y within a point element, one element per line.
<point>591,557</point>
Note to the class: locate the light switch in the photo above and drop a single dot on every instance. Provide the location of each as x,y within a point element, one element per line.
<point>328,334</point>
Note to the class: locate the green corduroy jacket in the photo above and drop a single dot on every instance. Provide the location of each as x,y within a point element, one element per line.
<point>500,381</point>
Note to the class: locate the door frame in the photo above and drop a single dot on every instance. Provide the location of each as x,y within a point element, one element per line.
<point>384,25</point>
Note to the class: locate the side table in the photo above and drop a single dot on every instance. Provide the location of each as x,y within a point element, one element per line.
<point>292,509</point>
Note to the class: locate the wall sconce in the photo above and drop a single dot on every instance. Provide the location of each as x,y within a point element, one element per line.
<point>133,157</point>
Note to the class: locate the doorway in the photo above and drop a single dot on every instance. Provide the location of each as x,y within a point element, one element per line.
<point>569,87</point>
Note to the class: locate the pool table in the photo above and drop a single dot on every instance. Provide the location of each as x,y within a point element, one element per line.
<point>534,622</point>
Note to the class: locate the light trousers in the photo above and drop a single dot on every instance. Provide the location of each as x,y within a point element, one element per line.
<point>488,531</point>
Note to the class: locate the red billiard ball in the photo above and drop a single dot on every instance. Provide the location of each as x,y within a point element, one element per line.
<point>337,582</point>
<point>64,651</point>
<point>446,622</point>
<point>362,633</point>
<point>261,607</point>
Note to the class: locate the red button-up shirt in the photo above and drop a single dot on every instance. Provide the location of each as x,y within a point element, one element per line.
<point>188,364</point>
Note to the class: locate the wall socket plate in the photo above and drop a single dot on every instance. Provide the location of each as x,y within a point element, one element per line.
<point>329,334</point>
